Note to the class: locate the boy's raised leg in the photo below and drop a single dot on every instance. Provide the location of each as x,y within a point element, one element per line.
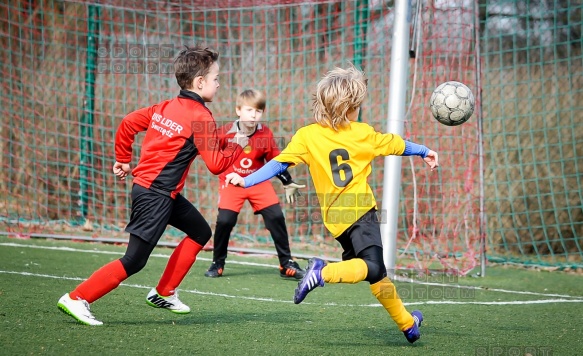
<point>312,279</point>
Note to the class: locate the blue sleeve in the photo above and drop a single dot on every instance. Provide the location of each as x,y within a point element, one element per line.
<point>413,149</point>
<point>270,170</point>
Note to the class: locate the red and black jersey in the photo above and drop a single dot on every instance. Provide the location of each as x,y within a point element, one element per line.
<point>262,147</point>
<point>177,130</point>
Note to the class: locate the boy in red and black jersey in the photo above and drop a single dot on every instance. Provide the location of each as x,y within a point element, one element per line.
<point>263,199</point>
<point>177,130</point>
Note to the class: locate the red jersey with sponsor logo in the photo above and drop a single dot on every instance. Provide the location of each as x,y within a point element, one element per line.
<point>261,148</point>
<point>177,130</point>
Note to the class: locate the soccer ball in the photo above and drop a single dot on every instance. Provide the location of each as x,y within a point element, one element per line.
<point>452,103</point>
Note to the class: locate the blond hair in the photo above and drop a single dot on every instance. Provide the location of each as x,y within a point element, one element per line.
<point>338,93</point>
<point>251,97</point>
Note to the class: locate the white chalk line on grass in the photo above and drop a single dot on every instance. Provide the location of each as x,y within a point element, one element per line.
<point>486,289</point>
<point>400,279</point>
<point>193,291</point>
<point>161,255</point>
<point>261,299</point>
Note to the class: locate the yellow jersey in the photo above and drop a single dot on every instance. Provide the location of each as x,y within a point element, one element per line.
<point>340,163</point>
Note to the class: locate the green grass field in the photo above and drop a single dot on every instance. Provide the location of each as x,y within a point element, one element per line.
<point>249,311</point>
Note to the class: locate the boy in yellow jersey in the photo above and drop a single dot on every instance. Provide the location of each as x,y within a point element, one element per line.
<point>338,151</point>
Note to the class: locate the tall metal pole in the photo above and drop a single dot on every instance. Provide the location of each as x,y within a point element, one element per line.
<point>395,124</point>
<point>482,217</point>
<point>86,124</point>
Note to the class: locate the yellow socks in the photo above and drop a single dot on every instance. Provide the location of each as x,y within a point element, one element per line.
<point>356,270</point>
<point>351,271</point>
<point>385,291</point>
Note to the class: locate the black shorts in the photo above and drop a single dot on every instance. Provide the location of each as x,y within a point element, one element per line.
<point>365,232</point>
<point>152,212</point>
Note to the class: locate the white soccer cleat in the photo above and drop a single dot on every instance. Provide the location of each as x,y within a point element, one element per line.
<point>171,303</point>
<point>78,309</point>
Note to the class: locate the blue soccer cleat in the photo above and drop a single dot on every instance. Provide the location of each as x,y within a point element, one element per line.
<point>412,334</point>
<point>311,280</point>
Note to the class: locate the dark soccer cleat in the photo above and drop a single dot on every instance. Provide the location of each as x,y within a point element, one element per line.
<point>412,334</point>
<point>312,279</point>
<point>291,270</point>
<point>215,270</point>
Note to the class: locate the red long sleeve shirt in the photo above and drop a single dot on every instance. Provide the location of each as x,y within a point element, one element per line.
<point>177,130</point>
<point>260,149</point>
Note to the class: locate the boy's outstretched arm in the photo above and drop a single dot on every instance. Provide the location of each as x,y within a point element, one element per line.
<point>270,170</point>
<point>430,157</point>
<point>209,144</point>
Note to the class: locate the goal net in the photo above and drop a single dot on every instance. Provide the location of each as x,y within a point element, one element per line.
<point>71,70</point>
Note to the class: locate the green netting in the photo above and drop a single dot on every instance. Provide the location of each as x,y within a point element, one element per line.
<point>533,130</point>
<point>72,69</point>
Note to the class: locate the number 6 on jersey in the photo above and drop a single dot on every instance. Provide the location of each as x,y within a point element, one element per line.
<point>335,156</point>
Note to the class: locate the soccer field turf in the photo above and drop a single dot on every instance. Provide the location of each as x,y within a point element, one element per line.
<point>249,311</point>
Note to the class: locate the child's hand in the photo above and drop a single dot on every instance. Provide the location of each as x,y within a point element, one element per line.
<point>121,170</point>
<point>235,179</point>
<point>291,191</point>
<point>432,159</point>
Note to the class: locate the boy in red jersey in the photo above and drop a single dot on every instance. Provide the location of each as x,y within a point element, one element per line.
<point>263,200</point>
<point>338,151</point>
<point>177,130</point>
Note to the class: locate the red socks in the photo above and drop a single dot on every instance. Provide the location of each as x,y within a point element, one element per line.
<point>108,277</point>
<point>178,266</point>
<point>101,282</point>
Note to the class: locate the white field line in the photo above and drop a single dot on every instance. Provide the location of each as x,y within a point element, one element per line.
<point>409,280</point>
<point>400,279</point>
<point>239,297</point>
<point>120,254</point>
